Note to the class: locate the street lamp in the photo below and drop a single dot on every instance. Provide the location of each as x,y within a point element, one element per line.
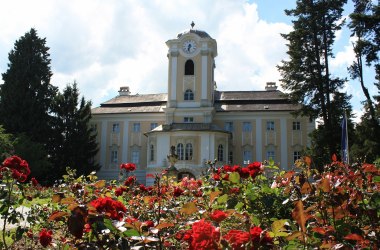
<point>172,171</point>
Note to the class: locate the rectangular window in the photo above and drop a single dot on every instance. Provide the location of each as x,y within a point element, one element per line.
<point>296,156</point>
<point>247,156</point>
<point>230,157</point>
<point>270,155</point>
<point>153,125</point>
<point>136,127</point>
<point>270,125</point>
<point>188,119</point>
<point>296,126</point>
<point>135,157</point>
<point>247,127</point>
<point>229,126</point>
<point>114,156</point>
<point>115,128</point>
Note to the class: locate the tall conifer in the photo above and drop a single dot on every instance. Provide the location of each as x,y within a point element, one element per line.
<point>26,95</point>
<point>306,76</point>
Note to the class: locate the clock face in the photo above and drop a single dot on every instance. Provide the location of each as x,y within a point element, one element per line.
<point>189,46</point>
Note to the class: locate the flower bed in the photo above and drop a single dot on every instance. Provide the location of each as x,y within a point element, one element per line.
<point>232,207</point>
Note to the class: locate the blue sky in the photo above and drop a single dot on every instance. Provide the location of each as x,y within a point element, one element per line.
<point>104,45</point>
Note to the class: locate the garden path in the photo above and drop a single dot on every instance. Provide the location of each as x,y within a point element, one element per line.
<point>22,209</point>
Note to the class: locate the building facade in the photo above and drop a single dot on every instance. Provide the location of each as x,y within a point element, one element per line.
<point>201,122</point>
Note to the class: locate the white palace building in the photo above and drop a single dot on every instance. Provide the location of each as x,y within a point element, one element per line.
<point>233,127</point>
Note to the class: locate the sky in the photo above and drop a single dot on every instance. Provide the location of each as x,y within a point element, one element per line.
<point>103,45</point>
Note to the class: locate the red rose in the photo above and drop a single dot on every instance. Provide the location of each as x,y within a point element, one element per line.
<point>129,167</point>
<point>130,180</point>
<point>19,167</point>
<point>216,177</point>
<point>149,223</point>
<point>178,191</point>
<point>45,237</point>
<point>244,173</point>
<point>218,216</point>
<point>234,190</point>
<point>204,236</point>
<point>237,239</point>
<point>260,236</point>
<point>34,182</point>
<point>255,165</point>
<point>119,191</point>
<point>113,209</point>
<point>236,168</point>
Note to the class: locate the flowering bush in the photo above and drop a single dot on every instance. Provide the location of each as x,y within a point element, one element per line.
<point>231,207</point>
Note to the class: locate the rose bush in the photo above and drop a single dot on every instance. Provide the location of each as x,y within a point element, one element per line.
<point>231,207</point>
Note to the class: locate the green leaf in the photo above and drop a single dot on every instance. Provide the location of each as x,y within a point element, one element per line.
<point>376,178</point>
<point>239,205</point>
<point>110,226</point>
<point>131,232</point>
<point>234,177</point>
<point>223,198</point>
<point>278,226</point>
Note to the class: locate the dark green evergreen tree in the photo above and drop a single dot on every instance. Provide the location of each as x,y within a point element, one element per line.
<point>306,75</point>
<point>74,143</point>
<point>365,26</point>
<point>26,95</point>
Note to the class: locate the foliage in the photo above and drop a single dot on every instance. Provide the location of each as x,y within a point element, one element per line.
<point>26,95</point>
<point>36,155</point>
<point>73,142</point>
<point>6,145</point>
<point>306,75</point>
<point>365,26</point>
<point>232,207</point>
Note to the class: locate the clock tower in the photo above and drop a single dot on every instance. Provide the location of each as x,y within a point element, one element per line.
<point>191,77</point>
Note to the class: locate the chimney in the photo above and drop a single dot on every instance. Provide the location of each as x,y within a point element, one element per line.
<point>124,91</point>
<point>271,86</point>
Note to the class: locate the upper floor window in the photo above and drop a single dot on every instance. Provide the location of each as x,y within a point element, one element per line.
<point>115,128</point>
<point>189,95</point>
<point>220,153</point>
<point>153,125</point>
<point>296,126</point>
<point>247,127</point>
<point>188,119</point>
<point>270,125</point>
<point>136,127</point>
<point>229,126</point>
<point>189,68</point>
<point>189,152</point>
<point>180,151</point>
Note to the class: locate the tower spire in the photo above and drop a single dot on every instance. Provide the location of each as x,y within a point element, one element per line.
<point>192,24</point>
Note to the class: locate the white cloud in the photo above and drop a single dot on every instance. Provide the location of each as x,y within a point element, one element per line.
<point>107,44</point>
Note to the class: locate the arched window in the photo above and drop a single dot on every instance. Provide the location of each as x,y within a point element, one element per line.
<point>220,153</point>
<point>189,152</point>
<point>151,153</point>
<point>180,151</point>
<point>189,95</point>
<point>189,68</point>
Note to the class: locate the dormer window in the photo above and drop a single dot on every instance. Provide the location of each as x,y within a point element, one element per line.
<point>189,68</point>
<point>189,95</point>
